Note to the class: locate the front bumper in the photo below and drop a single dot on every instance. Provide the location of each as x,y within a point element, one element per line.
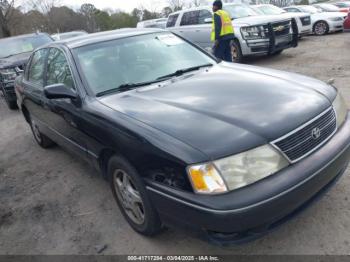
<point>251,212</point>
<point>336,26</point>
<point>274,43</point>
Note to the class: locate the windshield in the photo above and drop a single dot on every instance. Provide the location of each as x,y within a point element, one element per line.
<point>309,9</point>
<point>239,11</point>
<point>138,59</point>
<point>329,7</point>
<point>13,46</point>
<point>343,4</point>
<point>270,10</point>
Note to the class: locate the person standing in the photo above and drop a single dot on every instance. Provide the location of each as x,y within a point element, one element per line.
<point>222,32</point>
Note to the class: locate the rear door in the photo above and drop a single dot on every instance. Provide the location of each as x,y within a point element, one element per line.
<point>192,26</point>
<point>33,84</point>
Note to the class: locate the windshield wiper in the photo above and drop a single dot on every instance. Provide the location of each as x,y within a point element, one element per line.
<point>129,86</point>
<point>126,87</point>
<point>183,71</point>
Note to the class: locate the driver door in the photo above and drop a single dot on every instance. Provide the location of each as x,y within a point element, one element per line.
<point>63,114</point>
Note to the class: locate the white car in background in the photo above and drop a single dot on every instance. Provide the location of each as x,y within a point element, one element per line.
<point>303,20</point>
<point>153,23</point>
<point>325,7</point>
<point>321,22</point>
<point>67,35</point>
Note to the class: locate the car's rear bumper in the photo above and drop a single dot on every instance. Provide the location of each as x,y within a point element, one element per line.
<point>250,212</point>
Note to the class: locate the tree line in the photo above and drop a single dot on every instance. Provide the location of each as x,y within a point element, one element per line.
<point>51,17</point>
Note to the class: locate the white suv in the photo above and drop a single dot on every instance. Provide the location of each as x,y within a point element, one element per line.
<point>254,34</point>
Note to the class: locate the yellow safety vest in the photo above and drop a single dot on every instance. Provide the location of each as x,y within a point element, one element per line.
<point>226,24</point>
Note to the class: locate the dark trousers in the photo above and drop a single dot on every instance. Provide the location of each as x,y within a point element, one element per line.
<point>223,50</point>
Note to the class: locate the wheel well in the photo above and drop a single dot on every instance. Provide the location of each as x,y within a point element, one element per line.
<point>25,113</point>
<point>313,27</point>
<point>103,159</point>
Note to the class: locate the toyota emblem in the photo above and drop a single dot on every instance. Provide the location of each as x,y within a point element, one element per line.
<point>316,133</point>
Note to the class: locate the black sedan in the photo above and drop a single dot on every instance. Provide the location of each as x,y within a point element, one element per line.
<point>230,151</point>
<point>14,53</point>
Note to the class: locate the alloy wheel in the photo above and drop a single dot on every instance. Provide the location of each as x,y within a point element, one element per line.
<point>234,53</point>
<point>320,28</point>
<point>129,196</point>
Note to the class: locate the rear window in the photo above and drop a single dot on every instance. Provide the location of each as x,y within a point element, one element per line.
<point>172,20</point>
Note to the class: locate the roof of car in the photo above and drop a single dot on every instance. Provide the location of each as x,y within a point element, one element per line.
<point>105,36</point>
<point>23,36</point>
<point>203,7</point>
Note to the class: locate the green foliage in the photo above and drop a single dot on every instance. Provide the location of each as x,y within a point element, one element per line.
<point>63,19</point>
<point>122,20</point>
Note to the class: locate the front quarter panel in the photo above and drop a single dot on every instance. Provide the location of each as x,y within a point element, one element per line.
<point>151,152</point>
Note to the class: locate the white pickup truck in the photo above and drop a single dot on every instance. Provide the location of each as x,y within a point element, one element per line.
<point>254,34</point>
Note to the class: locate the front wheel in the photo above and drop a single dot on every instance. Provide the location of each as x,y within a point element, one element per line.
<point>39,137</point>
<point>276,53</point>
<point>131,196</point>
<point>236,52</point>
<point>321,28</point>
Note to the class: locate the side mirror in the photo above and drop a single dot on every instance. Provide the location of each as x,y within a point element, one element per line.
<point>208,20</point>
<point>56,91</point>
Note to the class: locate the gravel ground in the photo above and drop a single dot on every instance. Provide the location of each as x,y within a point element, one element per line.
<point>52,203</point>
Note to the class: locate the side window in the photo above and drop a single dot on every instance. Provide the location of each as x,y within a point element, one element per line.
<point>58,71</point>
<point>172,20</point>
<point>37,67</point>
<point>204,14</point>
<point>293,10</point>
<point>190,18</point>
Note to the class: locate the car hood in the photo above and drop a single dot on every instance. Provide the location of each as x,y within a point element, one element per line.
<point>258,19</point>
<point>295,15</point>
<point>228,108</point>
<point>326,15</point>
<point>15,60</point>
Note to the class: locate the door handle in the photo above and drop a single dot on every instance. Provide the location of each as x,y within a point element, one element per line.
<point>198,30</point>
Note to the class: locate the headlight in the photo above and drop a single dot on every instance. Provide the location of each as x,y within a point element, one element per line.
<point>253,32</point>
<point>336,19</point>
<point>8,74</point>
<point>206,179</point>
<point>340,108</point>
<point>236,171</point>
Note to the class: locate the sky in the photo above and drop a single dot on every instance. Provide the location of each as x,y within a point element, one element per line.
<point>125,5</point>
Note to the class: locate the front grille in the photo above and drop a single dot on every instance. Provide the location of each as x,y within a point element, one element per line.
<point>305,20</point>
<point>281,28</point>
<point>309,137</point>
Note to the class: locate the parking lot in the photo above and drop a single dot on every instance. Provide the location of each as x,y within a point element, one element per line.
<point>52,203</point>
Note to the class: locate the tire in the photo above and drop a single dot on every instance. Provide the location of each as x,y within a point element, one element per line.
<point>39,137</point>
<point>320,28</point>
<point>10,103</point>
<point>276,53</point>
<point>130,194</point>
<point>236,52</point>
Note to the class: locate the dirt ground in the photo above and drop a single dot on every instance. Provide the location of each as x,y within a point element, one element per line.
<point>52,203</point>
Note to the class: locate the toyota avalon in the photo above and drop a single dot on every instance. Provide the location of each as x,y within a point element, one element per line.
<point>229,151</point>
